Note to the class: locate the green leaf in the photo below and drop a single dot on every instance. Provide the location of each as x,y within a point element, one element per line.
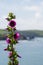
<point>9,48</point>
<point>16,62</point>
<point>9,28</point>
<point>9,63</point>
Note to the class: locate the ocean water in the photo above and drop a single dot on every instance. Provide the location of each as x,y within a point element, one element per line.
<point>31,52</point>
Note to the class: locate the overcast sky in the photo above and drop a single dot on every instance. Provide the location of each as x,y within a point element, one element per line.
<point>29,13</point>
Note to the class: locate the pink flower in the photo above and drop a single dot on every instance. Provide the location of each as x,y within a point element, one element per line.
<point>8,40</point>
<point>12,23</point>
<point>10,54</point>
<point>16,36</point>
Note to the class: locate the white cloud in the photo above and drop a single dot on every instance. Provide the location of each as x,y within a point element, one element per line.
<point>29,16</point>
<point>37,15</point>
<point>31,8</point>
<point>41,3</point>
<point>32,23</point>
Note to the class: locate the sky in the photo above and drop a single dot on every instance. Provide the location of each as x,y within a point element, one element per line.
<point>29,13</point>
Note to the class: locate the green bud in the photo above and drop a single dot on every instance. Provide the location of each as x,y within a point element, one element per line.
<point>11,16</point>
<point>16,62</point>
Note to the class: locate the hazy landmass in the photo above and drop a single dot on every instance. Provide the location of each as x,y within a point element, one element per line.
<point>23,34</point>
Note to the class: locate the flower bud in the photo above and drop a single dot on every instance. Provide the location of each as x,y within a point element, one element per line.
<point>19,56</point>
<point>16,36</point>
<point>7,19</point>
<point>8,40</point>
<point>5,49</point>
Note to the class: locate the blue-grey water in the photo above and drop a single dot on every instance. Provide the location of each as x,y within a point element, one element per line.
<point>31,52</point>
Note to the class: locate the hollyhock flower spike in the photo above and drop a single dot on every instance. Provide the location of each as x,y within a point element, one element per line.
<point>12,39</point>
<point>12,23</point>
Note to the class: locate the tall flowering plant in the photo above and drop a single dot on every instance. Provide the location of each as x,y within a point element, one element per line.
<point>12,39</point>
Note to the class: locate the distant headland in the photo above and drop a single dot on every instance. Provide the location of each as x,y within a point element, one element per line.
<point>24,35</point>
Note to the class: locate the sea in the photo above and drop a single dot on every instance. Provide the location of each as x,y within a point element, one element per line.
<point>31,52</point>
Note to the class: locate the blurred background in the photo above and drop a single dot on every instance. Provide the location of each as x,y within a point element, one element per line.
<point>29,19</point>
